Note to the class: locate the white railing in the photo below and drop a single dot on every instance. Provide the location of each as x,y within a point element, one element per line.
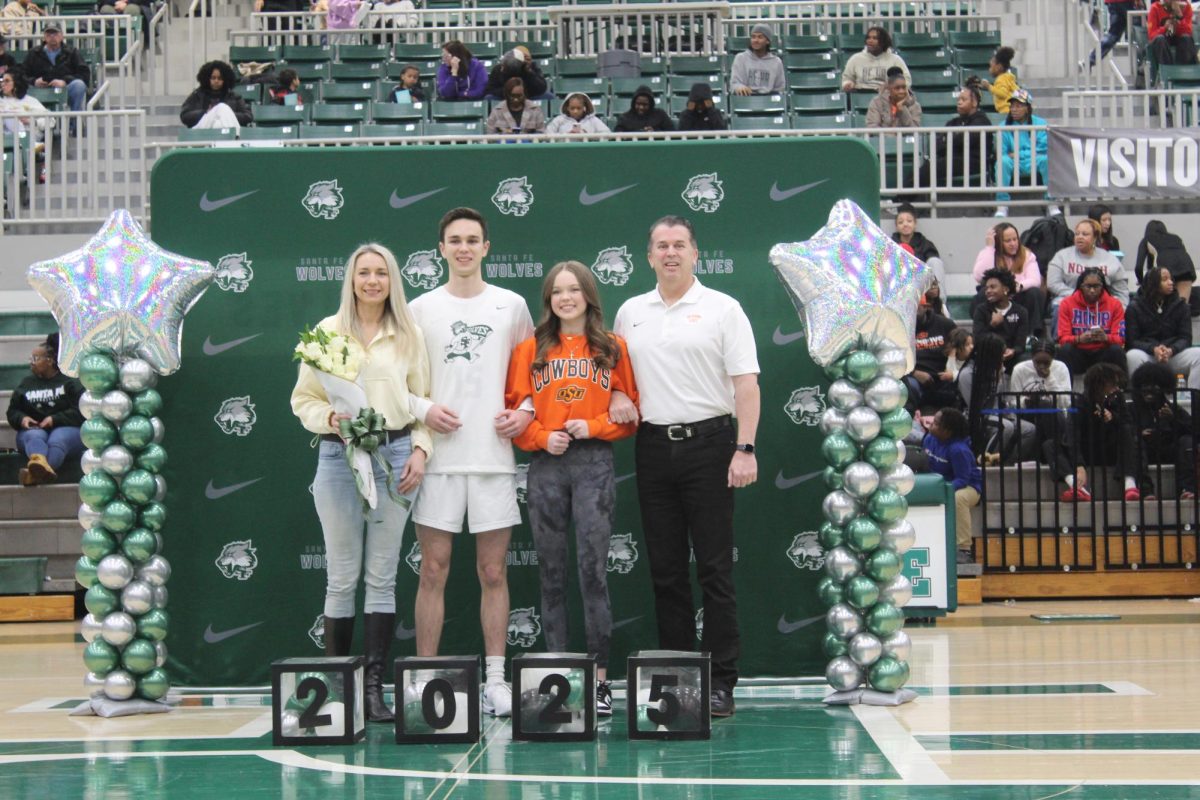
<point>853,11</point>
<point>817,25</point>
<point>694,28</point>
<point>434,34</point>
<point>1125,108</point>
<point>1091,71</point>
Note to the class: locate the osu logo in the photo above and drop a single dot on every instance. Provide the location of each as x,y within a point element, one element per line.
<point>524,626</point>
<point>704,193</point>
<point>234,273</point>
<point>413,559</point>
<point>569,394</point>
<point>236,416</point>
<point>324,200</point>
<point>522,483</point>
<point>423,269</point>
<point>613,266</point>
<point>805,551</point>
<point>238,560</point>
<point>317,632</point>
<point>514,196</point>
<point>622,553</point>
<point>806,405</point>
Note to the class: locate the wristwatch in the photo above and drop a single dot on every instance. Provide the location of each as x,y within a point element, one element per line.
<point>745,448</point>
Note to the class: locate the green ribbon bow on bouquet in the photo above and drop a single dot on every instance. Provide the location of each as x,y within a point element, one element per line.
<point>367,433</point>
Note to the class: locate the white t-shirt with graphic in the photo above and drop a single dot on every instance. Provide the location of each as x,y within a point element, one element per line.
<point>470,341</point>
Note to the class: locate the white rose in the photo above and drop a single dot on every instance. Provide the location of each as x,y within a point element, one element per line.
<point>313,351</point>
<point>325,364</point>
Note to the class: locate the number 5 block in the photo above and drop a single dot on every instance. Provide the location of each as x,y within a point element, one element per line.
<point>554,697</point>
<point>317,701</point>
<point>437,700</point>
<point>668,693</point>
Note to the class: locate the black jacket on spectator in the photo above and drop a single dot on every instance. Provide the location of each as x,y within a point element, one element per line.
<point>38,398</point>
<point>1146,326</point>
<point>976,119</point>
<point>1014,331</point>
<point>702,119</point>
<point>656,120</point>
<point>199,102</point>
<point>67,67</point>
<point>1163,249</point>
<point>922,247</point>
<point>534,80</point>
<point>931,342</point>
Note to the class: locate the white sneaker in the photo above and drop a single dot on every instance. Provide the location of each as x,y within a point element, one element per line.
<point>1001,211</point>
<point>1053,211</point>
<point>497,699</point>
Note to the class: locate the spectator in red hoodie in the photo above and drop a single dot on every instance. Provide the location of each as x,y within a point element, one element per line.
<point>1091,325</point>
<point>1169,27</point>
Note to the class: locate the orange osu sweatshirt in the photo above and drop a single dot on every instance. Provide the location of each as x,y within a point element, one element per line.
<point>570,386</point>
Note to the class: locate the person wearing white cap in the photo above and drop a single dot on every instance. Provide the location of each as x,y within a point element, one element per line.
<point>758,70</point>
<point>1031,151</point>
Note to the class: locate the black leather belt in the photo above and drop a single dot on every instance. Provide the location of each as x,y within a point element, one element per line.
<point>688,430</point>
<point>391,436</point>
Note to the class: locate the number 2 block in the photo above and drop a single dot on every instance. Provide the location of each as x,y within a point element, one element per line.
<point>554,697</point>
<point>317,701</point>
<point>437,700</point>
<point>668,692</point>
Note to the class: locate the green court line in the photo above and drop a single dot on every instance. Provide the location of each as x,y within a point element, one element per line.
<point>1061,741</point>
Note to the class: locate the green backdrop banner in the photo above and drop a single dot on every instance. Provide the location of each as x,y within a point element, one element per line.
<point>243,536</point>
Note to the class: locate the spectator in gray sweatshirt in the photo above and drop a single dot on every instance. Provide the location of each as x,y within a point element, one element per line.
<point>866,71</point>
<point>1070,262</point>
<point>758,70</point>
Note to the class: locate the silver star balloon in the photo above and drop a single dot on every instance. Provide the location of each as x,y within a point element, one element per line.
<point>853,286</point>
<point>120,293</point>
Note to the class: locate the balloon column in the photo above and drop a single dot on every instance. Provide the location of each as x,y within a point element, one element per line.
<point>858,292</point>
<point>119,302</point>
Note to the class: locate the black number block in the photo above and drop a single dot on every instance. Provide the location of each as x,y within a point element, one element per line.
<point>554,697</point>
<point>317,701</point>
<point>668,692</point>
<point>437,699</point>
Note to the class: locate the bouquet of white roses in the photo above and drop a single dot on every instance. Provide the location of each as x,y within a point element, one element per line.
<point>330,353</point>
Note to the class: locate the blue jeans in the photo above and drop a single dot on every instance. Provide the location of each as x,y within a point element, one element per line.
<point>348,553</point>
<point>1117,21</point>
<point>55,444</point>
<point>76,94</point>
<point>1006,174</point>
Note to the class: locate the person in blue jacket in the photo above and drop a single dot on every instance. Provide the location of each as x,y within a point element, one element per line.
<point>948,446</point>
<point>1031,151</point>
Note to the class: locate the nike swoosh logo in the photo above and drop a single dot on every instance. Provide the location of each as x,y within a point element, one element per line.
<point>638,323</point>
<point>211,349</point>
<point>786,627</point>
<point>588,199</point>
<point>213,493</point>
<point>624,622</point>
<point>787,483</point>
<point>403,633</point>
<point>780,338</point>
<point>212,637</point>
<point>213,205</point>
<point>625,477</point>
<point>395,201</point>
<point>779,195</point>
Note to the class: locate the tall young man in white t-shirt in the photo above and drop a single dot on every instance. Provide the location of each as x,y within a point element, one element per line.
<point>470,331</point>
<point>694,359</point>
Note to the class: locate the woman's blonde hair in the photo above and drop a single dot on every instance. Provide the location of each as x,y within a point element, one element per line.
<point>408,337</point>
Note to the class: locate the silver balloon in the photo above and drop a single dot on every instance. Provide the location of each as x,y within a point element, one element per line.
<point>161,596</point>
<point>118,629</point>
<point>898,646</point>
<point>892,362</point>
<point>901,450</point>
<point>154,571</point>
<point>160,488</point>
<point>88,517</point>
<point>158,542</point>
<point>89,628</point>
<point>137,376</point>
<point>843,674</point>
<point>116,460</point>
<point>900,536</point>
<point>842,564</point>
<point>114,571</point>
<point>898,591</point>
<point>865,649</point>
<point>843,620</point>
<point>89,462</point>
<point>119,685</point>
<point>137,597</point>
<point>899,476</point>
<point>116,405</point>
<point>93,683</point>
<point>860,479</point>
<point>289,723</point>
<point>89,404</point>
<point>160,431</point>
<point>834,419</point>
<point>862,424</point>
<point>160,654</point>
<point>844,395</point>
<point>839,507</point>
<point>884,394</point>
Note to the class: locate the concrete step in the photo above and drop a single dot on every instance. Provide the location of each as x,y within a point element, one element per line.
<point>1025,516</point>
<point>41,537</point>
<point>1032,483</point>
<point>17,348</point>
<point>51,502</point>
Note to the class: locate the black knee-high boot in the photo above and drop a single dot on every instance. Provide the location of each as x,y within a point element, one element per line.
<point>339,631</point>
<point>379,633</point>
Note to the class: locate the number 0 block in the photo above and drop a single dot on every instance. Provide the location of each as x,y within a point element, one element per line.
<point>437,700</point>
<point>668,693</point>
<point>554,697</point>
<point>317,701</point>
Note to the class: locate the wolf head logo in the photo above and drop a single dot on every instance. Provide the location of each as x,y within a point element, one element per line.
<point>423,269</point>
<point>806,405</point>
<point>524,626</point>
<point>613,266</point>
<point>413,559</point>
<point>514,196</point>
<point>324,200</point>
<point>522,483</point>
<point>238,560</point>
<point>622,553</point>
<point>700,625</point>
<point>805,551</point>
<point>465,340</point>
<point>236,416</point>
<point>704,193</point>
<point>317,632</point>
<point>234,273</point>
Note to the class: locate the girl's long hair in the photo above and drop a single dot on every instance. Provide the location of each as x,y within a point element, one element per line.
<point>605,352</point>
<point>408,336</point>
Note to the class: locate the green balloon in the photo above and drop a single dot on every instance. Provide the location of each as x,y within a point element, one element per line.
<point>839,449</point>
<point>101,657</point>
<point>137,432</point>
<point>833,479</point>
<point>830,535</point>
<point>888,674</point>
<point>863,534</point>
<point>861,591</point>
<point>138,656</point>
<point>154,685</point>
<point>153,625</point>
<point>830,591</point>
<point>833,645</point>
<point>577,696</point>
<point>85,571</point>
<point>97,488</point>
<point>862,366</point>
<point>333,696</point>
<point>139,486</point>
<point>836,370</point>
<point>153,516</point>
<point>118,516</point>
<point>139,544</point>
<point>883,565</point>
<point>97,543</point>
<point>887,505</point>
<point>97,433</point>
<point>881,452</point>
<point>97,372</point>
<point>897,423</point>
<point>152,458</point>
<point>147,403</point>
<point>884,619</point>
<point>100,601</point>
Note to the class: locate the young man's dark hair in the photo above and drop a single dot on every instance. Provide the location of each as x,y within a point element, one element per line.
<point>462,212</point>
<point>1004,276</point>
<point>669,220</point>
<point>885,38</point>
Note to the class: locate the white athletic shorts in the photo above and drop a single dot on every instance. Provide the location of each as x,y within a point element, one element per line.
<point>489,502</point>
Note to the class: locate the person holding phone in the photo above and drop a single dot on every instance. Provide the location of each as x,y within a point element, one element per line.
<point>1091,325</point>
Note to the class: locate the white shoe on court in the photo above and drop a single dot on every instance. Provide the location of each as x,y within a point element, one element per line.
<point>497,699</point>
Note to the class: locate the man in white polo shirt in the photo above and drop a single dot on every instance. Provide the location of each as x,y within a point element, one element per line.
<point>693,355</point>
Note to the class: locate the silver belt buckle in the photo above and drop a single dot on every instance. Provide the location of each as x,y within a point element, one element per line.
<point>678,433</point>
